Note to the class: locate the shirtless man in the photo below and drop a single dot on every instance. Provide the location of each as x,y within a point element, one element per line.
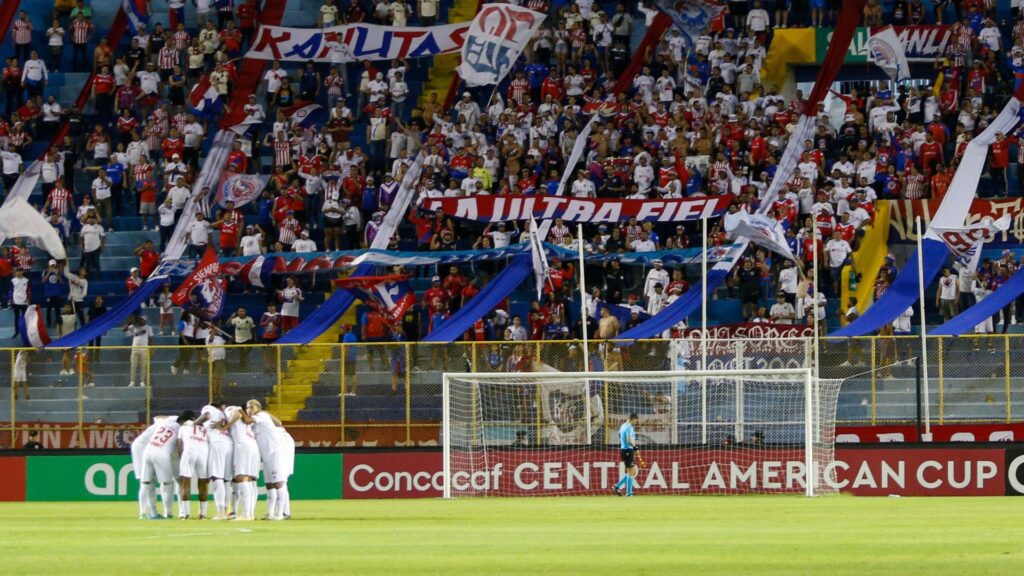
<point>608,329</point>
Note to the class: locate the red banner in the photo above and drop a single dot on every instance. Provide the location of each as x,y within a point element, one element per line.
<point>1010,432</point>
<point>12,479</point>
<point>203,291</point>
<point>504,208</point>
<point>901,223</point>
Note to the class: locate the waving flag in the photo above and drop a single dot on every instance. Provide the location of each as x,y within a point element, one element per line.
<point>202,293</point>
<point>966,242</point>
<point>306,114</point>
<point>392,295</point>
<point>691,17</point>
<point>888,53</point>
<point>137,12</point>
<point>32,327</point>
<point>540,259</point>
<point>240,189</point>
<point>257,271</point>
<point>624,314</point>
<point>761,230</point>
<point>205,99</point>
<point>496,38</point>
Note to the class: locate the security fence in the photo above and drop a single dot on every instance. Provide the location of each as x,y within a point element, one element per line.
<point>389,394</point>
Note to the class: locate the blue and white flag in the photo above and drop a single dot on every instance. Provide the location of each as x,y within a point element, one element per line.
<point>306,114</point>
<point>257,271</point>
<point>691,17</point>
<point>241,189</point>
<point>540,259</point>
<point>205,99</point>
<point>392,295</point>
<point>137,12</point>
<point>966,242</point>
<point>624,314</point>
<point>888,53</point>
<point>496,38</point>
<point>761,230</point>
<point>32,327</point>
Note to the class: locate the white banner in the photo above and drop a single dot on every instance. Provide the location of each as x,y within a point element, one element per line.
<point>497,36</point>
<point>888,53</point>
<point>355,42</point>
<point>26,183</point>
<point>966,242</point>
<point>761,230</point>
<point>209,176</point>
<point>18,219</point>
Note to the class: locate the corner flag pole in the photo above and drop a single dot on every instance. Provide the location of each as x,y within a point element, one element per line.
<point>924,331</point>
<point>583,301</point>
<point>704,329</point>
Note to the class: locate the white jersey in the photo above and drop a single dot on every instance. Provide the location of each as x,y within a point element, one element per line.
<point>192,437</point>
<point>140,443</point>
<point>246,458</point>
<point>164,439</point>
<point>286,456</point>
<point>220,463</point>
<point>266,435</point>
<point>159,459</point>
<point>195,451</point>
<point>214,416</point>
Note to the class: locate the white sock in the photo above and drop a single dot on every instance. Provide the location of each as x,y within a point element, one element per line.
<point>271,501</point>
<point>219,500</point>
<point>151,498</point>
<point>236,497</point>
<point>167,495</point>
<point>184,507</point>
<point>284,501</point>
<point>254,497</point>
<point>143,499</point>
<point>202,508</point>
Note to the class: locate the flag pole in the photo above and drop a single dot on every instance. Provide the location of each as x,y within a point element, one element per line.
<point>815,285</point>
<point>704,327</point>
<point>583,301</point>
<point>927,437</point>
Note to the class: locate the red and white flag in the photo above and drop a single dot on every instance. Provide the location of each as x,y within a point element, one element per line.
<point>202,293</point>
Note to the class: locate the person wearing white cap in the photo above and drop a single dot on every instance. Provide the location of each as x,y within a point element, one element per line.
<point>304,244</point>
<point>468,109</point>
<point>657,275</point>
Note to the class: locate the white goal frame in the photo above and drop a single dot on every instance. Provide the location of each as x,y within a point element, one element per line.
<point>804,374</point>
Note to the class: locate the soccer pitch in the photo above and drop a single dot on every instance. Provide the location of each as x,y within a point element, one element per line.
<point>572,535</point>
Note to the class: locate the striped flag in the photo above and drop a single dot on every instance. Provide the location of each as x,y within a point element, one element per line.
<point>137,12</point>
<point>257,271</point>
<point>205,99</point>
<point>32,326</point>
<point>305,114</point>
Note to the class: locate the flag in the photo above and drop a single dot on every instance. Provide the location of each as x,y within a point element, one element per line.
<point>305,114</point>
<point>257,271</point>
<point>691,17</point>
<point>202,293</point>
<point>391,295</point>
<point>32,327</point>
<point>540,259</point>
<point>240,189</point>
<point>759,229</point>
<point>26,183</point>
<point>205,99</point>
<point>495,39</point>
<point>19,219</point>
<point>624,314</point>
<point>888,53</point>
<point>243,126</point>
<point>137,12</point>
<point>966,242</point>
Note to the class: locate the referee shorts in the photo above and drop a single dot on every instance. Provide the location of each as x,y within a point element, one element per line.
<point>628,457</point>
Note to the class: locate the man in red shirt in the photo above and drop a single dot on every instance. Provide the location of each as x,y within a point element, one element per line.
<point>435,295</point>
<point>229,227</point>
<point>173,144</point>
<point>998,162</point>
<point>940,182</point>
<point>148,258</point>
<point>238,162</point>
<point>247,13</point>
<point>931,153</point>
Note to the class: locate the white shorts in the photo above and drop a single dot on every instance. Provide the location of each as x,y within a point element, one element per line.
<point>194,463</point>
<point>137,449</point>
<point>273,471</point>
<point>247,460</point>
<point>286,456</point>
<point>157,465</point>
<point>221,459</point>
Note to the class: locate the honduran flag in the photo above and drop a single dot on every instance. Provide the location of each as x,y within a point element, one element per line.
<point>257,271</point>
<point>306,114</point>
<point>205,99</point>
<point>32,326</point>
<point>137,12</point>
<point>392,295</point>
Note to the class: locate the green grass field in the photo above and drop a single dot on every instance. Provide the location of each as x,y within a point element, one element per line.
<point>578,535</point>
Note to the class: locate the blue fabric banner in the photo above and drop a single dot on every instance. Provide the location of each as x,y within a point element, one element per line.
<point>325,315</point>
<point>988,307</point>
<point>114,318</point>
<point>622,313</point>
<point>902,294</point>
<point>677,311</point>
<point>496,290</point>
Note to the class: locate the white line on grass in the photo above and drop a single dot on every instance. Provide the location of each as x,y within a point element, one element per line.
<point>191,534</point>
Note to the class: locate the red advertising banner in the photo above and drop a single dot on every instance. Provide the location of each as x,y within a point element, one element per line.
<point>862,472</point>
<point>503,208</point>
<point>901,223</point>
<point>12,479</point>
<point>1011,432</point>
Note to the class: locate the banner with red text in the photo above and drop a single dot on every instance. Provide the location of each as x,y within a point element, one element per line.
<point>355,42</point>
<point>504,208</point>
<point>901,222</point>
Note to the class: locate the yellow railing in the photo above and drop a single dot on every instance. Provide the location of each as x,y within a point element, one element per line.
<point>388,394</point>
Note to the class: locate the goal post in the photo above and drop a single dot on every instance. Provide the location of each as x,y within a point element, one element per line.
<point>700,431</point>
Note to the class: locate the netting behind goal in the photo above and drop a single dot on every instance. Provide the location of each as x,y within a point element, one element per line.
<point>556,433</point>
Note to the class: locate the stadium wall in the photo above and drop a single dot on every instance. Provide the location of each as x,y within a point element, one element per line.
<point>982,469</point>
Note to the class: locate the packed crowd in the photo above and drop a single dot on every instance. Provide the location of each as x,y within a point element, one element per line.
<point>693,122</point>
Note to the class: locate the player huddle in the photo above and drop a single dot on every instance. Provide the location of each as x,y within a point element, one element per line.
<point>223,447</point>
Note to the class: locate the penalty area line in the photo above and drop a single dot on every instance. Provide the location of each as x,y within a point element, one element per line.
<point>236,531</point>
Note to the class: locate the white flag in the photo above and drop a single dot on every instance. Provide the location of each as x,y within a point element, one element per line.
<point>761,230</point>
<point>966,242</point>
<point>888,53</point>
<point>495,40</point>
<point>540,259</point>
<point>26,183</point>
<point>19,219</point>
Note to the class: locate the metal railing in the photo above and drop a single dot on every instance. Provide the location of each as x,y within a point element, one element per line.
<point>389,394</point>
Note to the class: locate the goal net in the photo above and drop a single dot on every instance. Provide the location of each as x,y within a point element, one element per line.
<point>720,432</point>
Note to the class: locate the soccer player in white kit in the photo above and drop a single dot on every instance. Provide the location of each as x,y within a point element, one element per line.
<point>195,456</point>
<point>158,459</point>
<point>147,493</point>
<point>246,460</point>
<point>276,460</point>
<point>221,449</point>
